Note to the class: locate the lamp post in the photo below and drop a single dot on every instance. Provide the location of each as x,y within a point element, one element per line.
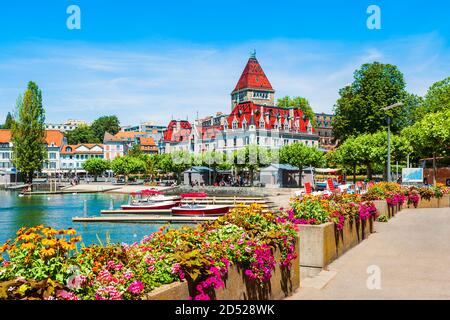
<point>398,104</point>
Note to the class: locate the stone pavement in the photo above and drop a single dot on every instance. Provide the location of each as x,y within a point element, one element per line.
<point>412,252</point>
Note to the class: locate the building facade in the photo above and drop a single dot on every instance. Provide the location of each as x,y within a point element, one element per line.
<point>325,130</point>
<point>69,125</point>
<point>254,120</point>
<point>73,156</point>
<point>54,140</point>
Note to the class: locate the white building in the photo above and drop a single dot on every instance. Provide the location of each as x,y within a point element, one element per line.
<point>73,156</point>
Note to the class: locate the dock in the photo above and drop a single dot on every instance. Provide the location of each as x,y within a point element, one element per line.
<point>149,211</point>
<point>145,218</point>
<point>46,193</point>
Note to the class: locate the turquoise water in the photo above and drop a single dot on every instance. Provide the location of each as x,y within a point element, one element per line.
<point>57,211</point>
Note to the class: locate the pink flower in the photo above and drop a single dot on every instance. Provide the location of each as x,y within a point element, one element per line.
<point>108,293</point>
<point>65,295</point>
<point>136,287</point>
<point>128,275</point>
<point>151,268</point>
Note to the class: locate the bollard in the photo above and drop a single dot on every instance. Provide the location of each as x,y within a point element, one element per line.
<point>111,203</point>
<point>85,208</point>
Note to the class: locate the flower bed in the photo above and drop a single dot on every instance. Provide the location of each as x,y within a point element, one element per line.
<point>41,263</point>
<point>330,226</point>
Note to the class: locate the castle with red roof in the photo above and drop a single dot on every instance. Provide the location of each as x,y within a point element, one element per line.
<point>254,119</point>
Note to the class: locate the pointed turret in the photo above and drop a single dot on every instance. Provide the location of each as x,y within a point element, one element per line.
<point>253,85</point>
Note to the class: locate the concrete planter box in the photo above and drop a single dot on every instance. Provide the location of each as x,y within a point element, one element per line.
<point>321,244</point>
<point>384,209</point>
<point>432,203</point>
<point>444,202</point>
<point>237,287</point>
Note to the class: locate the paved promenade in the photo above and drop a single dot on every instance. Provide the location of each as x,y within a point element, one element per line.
<point>412,252</point>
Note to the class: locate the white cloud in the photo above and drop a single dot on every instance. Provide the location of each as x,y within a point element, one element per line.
<point>141,82</point>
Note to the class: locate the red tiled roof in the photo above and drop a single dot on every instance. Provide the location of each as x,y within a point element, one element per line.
<point>147,141</point>
<point>128,134</point>
<point>243,111</point>
<point>51,136</point>
<point>253,77</point>
<point>5,135</point>
<point>176,135</point>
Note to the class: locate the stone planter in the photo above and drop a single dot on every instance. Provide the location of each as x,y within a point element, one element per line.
<point>432,203</point>
<point>444,202</point>
<point>384,209</point>
<point>321,244</point>
<point>238,287</point>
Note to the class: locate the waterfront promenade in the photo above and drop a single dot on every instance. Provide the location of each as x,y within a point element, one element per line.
<point>412,252</point>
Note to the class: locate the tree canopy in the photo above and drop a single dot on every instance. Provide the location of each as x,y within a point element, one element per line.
<point>82,134</point>
<point>358,109</point>
<point>28,133</point>
<point>8,122</point>
<point>298,102</point>
<point>299,155</point>
<point>96,166</point>
<point>104,124</point>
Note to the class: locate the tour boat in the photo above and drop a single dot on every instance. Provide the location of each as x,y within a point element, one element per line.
<point>152,195</point>
<point>200,210</point>
<point>151,205</point>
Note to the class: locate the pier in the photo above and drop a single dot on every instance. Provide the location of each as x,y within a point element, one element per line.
<point>146,218</point>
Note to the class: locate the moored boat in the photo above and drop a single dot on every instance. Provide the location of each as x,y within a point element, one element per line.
<point>150,205</point>
<point>200,210</point>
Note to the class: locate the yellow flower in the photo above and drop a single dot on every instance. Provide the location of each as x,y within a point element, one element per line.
<point>49,232</point>
<point>71,231</point>
<point>28,237</point>
<point>75,239</point>
<point>48,252</point>
<point>49,242</point>
<point>28,245</point>
<point>65,245</point>
<point>20,231</point>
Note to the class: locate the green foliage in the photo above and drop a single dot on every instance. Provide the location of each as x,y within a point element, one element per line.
<point>28,132</point>
<point>437,99</point>
<point>135,151</point>
<point>431,135</point>
<point>96,166</point>
<point>104,124</point>
<point>358,110</point>
<point>82,134</point>
<point>298,102</point>
<point>8,122</point>
<point>300,155</point>
<point>128,165</point>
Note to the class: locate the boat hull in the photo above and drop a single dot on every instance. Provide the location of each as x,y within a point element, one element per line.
<point>154,206</point>
<point>200,210</point>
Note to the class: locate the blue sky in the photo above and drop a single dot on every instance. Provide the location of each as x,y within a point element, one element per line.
<point>148,60</point>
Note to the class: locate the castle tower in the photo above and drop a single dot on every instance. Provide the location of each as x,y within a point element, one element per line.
<point>253,85</point>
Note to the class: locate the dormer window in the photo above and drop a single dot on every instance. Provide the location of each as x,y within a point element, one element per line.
<point>235,124</point>
<point>244,124</point>
<point>262,123</point>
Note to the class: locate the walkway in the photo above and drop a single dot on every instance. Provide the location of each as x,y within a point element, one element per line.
<point>412,251</point>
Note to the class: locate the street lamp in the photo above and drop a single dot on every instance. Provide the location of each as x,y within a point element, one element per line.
<point>392,106</point>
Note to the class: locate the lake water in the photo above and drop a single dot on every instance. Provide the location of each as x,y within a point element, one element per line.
<point>57,211</point>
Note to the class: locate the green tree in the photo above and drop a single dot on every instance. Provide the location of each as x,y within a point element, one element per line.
<point>251,158</point>
<point>151,164</point>
<point>179,161</point>
<point>82,134</point>
<point>135,151</point>
<point>431,136</point>
<point>298,102</point>
<point>299,155</point>
<point>358,110</point>
<point>96,166</point>
<point>127,165</point>
<point>28,133</point>
<point>104,124</point>
<point>437,99</point>
<point>8,121</point>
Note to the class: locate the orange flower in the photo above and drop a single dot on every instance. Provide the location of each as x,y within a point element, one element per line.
<point>65,245</point>
<point>28,236</point>
<point>48,252</point>
<point>28,245</point>
<point>20,231</point>
<point>75,239</point>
